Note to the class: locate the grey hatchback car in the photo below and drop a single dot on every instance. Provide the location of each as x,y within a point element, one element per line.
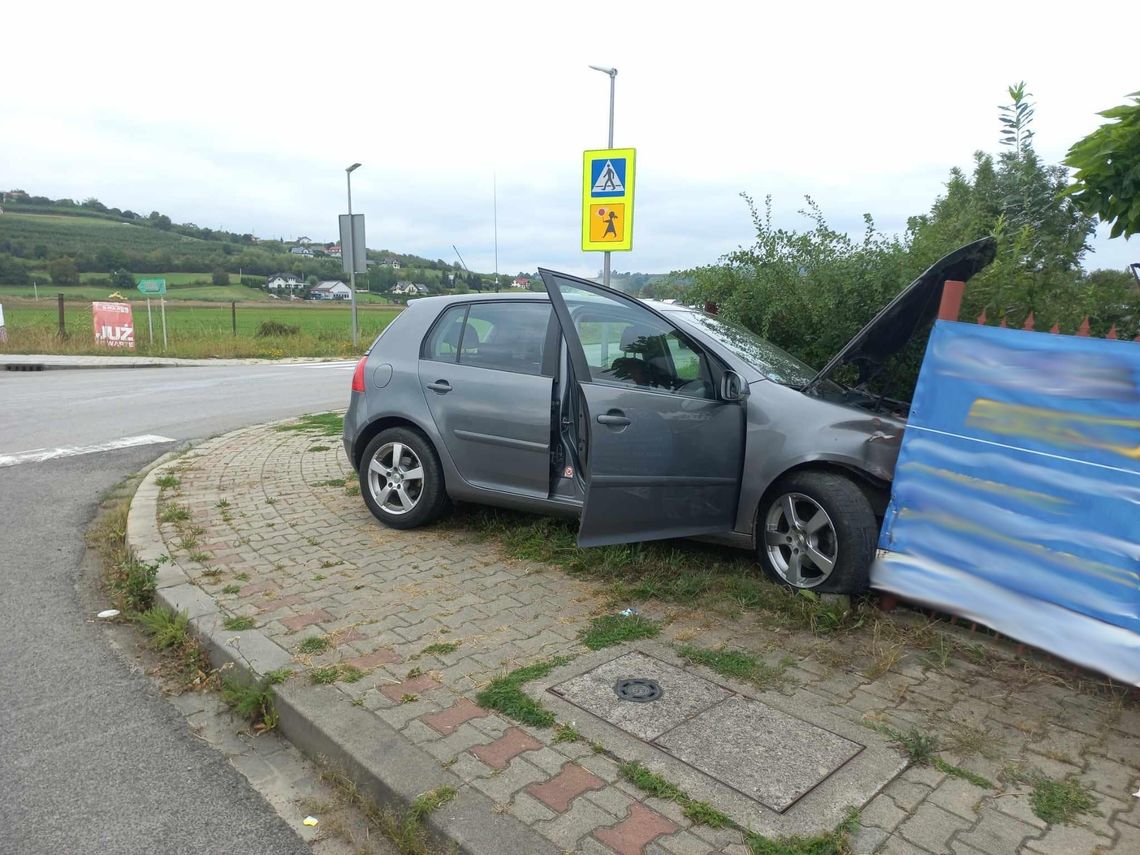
<point>645,420</point>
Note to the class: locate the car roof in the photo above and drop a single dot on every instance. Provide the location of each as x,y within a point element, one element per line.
<point>527,296</point>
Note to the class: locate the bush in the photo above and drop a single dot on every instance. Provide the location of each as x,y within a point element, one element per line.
<point>276,329</point>
<point>220,277</point>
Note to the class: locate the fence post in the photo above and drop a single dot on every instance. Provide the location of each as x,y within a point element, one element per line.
<point>951,305</point>
<point>233,316</point>
<point>62,327</point>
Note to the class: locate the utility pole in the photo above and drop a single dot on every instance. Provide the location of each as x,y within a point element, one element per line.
<point>612,72</point>
<point>352,256</point>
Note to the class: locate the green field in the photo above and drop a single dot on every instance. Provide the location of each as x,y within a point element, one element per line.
<point>198,330</point>
<point>75,235</point>
<point>87,293</point>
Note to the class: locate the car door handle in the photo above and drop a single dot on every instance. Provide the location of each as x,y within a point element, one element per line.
<point>614,418</point>
<point>441,386</point>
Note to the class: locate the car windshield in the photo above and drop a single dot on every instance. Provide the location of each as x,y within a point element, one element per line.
<point>777,365</point>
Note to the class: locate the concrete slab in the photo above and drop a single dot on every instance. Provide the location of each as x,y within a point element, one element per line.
<point>768,755</point>
<point>683,695</point>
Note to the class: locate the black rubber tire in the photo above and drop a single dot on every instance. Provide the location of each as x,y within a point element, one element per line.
<point>856,529</point>
<point>433,499</point>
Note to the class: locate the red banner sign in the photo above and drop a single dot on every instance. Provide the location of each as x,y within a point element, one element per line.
<point>114,326</point>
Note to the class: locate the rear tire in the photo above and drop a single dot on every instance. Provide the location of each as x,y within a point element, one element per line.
<point>401,479</point>
<point>816,531</point>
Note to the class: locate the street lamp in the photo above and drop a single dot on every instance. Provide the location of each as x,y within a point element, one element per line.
<point>352,256</point>
<point>612,72</point>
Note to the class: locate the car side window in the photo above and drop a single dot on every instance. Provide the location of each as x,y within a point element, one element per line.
<point>625,344</point>
<point>442,343</point>
<point>508,336</point>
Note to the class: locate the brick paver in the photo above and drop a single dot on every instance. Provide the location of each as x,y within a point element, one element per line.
<point>504,749</point>
<point>635,832</point>
<point>311,560</point>
<point>567,785</point>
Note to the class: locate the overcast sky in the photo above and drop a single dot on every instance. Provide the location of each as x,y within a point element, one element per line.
<point>243,115</point>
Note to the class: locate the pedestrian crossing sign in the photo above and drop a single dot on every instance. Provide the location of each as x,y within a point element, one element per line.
<point>607,200</point>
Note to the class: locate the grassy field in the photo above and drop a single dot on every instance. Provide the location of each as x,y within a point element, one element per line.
<point>199,330</point>
<point>87,293</point>
<point>72,235</point>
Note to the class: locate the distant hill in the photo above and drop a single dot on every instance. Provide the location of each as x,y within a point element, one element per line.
<point>36,232</point>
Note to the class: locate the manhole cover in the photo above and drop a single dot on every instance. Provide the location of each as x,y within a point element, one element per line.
<point>639,690</point>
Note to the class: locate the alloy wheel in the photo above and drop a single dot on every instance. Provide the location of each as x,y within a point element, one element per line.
<point>800,540</point>
<point>396,478</point>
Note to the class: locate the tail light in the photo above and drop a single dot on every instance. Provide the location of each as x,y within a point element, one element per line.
<point>358,376</point>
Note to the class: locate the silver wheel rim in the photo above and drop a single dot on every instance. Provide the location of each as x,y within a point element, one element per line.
<point>396,478</point>
<point>800,540</point>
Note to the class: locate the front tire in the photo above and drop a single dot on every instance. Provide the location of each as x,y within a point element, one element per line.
<point>817,531</point>
<point>401,479</point>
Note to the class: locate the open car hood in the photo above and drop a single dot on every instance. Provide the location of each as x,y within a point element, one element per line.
<point>913,309</point>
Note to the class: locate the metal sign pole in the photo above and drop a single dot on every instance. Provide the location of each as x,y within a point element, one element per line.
<point>162,304</point>
<point>606,256</point>
<point>149,322</point>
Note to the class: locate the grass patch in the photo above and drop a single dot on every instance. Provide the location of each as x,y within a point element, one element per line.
<point>738,664</point>
<point>837,842</point>
<point>441,647</point>
<point>320,448</point>
<point>609,630</point>
<point>174,514</point>
<point>701,813</point>
<point>679,571</point>
<point>325,676</point>
<point>253,702</point>
<point>237,624</point>
<point>314,644</point>
<point>350,673</point>
<point>231,589</point>
<point>404,830</point>
<point>922,749</point>
<point>323,424</point>
<point>1056,801</point>
<point>168,481</point>
<point>566,733</point>
<point>505,693</point>
<point>166,627</point>
<point>332,482</point>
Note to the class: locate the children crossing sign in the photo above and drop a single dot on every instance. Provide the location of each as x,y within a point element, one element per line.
<point>607,200</point>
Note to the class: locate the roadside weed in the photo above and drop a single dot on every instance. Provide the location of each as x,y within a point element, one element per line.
<point>252,702</point>
<point>324,424</point>
<point>325,675</point>
<point>314,644</point>
<point>167,481</point>
<point>1054,800</point>
<point>237,624</point>
<point>505,693</point>
<point>174,514</point>
<point>608,630</point>
<point>701,813</point>
<point>738,664</point>
<point>231,589</point>
<point>165,627</point>
<point>566,733</point>
<point>441,647</point>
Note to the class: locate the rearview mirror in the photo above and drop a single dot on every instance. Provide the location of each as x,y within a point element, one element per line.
<point>733,387</point>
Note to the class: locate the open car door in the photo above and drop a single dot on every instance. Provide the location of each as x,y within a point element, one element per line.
<point>662,452</point>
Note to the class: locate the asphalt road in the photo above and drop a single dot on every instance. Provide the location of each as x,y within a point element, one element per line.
<point>92,758</point>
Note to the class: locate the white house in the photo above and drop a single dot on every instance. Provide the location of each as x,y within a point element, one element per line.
<point>520,282</point>
<point>284,281</point>
<point>331,290</point>
<point>302,250</point>
<point>390,262</point>
<point>412,288</point>
<point>333,249</point>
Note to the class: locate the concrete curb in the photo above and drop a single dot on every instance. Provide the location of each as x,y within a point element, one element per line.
<point>320,720</point>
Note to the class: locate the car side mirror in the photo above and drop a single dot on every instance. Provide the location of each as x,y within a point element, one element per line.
<point>733,387</point>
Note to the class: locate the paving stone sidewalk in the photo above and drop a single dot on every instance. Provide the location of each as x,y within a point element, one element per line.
<point>283,538</point>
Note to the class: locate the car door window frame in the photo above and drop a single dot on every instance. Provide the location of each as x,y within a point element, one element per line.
<point>548,364</point>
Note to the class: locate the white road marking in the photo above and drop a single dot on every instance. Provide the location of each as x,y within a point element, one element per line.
<point>340,366</point>
<point>37,455</point>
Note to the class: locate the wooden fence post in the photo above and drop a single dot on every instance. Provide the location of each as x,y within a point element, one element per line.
<point>62,327</point>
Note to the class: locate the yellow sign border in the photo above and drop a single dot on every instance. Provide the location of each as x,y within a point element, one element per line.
<point>588,157</point>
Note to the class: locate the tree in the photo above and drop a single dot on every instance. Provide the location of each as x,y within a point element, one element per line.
<point>1107,164</point>
<point>220,277</point>
<point>63,271</point>
<point>123,279</point>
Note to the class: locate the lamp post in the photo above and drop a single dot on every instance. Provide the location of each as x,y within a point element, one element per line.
<point>612,72</point>
<point>352,256</point>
